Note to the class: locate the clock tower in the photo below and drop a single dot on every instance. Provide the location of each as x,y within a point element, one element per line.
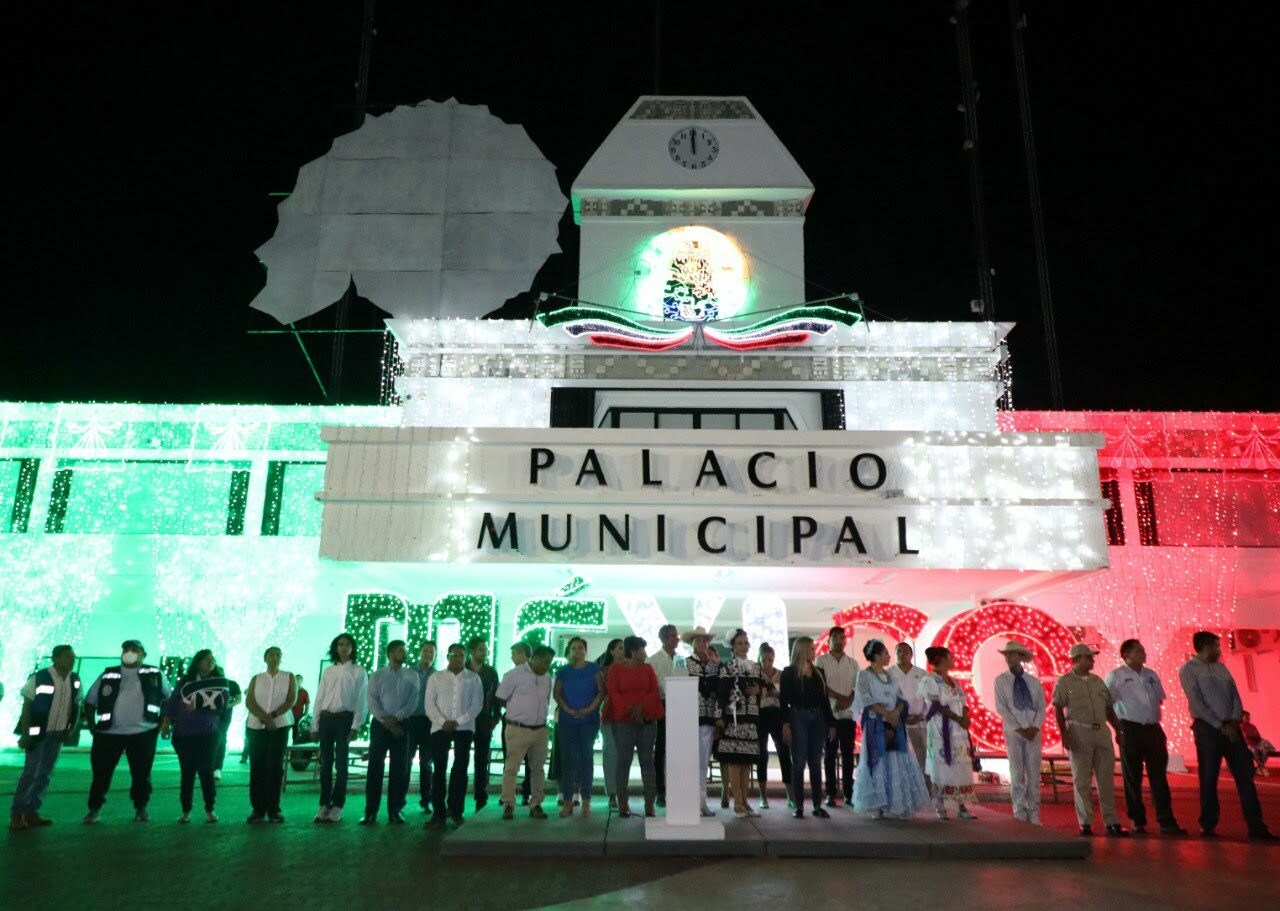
<point>691,210</point>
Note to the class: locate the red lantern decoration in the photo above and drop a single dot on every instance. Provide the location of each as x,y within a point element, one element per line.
<point>1048,640</point>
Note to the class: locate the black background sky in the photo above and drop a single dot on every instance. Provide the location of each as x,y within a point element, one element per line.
<point>148,137</point>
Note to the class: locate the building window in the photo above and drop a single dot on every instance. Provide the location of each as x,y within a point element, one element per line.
<point>698,419</point>
<point>290,507</point>
<point>17,489</point>
<point>1115,515</point>
<point>1214,508</point>
<point>147,497</point>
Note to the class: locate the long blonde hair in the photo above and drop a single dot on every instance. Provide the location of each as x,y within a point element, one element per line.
<point>798,652</point>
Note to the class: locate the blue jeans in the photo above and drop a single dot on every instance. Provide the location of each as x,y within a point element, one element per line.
<point>577,758</point>
<point>808,738</point>
<point>36,771</point>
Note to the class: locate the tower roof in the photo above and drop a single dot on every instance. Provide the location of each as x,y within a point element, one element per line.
<point>634,163</point>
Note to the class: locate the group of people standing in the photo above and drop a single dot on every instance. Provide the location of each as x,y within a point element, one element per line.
<point>916,750</point>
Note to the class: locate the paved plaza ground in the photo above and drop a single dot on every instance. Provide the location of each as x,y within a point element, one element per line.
<point>120,864</point>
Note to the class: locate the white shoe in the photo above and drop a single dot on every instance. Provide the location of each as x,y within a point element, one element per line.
<point>707,812</point>
<point>90,818</point>
<point>217,774</point>
<point>184,819</point>
<point>335,814</point>
<point>210,816</point>
<point>322,815</point>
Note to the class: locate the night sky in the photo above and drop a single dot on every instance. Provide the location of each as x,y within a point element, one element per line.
<point>148,138</point>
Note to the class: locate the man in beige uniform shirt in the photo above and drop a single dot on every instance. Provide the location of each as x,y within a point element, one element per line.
<point>1082,705</point>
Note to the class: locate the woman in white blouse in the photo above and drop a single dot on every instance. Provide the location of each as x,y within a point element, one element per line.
<point>270,699</point>
<point>339,709</point>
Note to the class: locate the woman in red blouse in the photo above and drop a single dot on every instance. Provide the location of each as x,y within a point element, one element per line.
<point>633,707</point>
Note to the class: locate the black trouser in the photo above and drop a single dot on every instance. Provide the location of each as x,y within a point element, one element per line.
<point>266,769</point>
<point>660,758</point>
<point>196,754</point>
<point>419,728</point>
<point>335,735</point>
<point>483,745</point>
<point>770,725</point>
<point>441,743</point>
<point>385,745</point>
<point>220,747</point>
<point>1213,746</point>
<point>1145,744</point>
<point>140,752</point>
<point>525,783</point>
<point>846,729</point>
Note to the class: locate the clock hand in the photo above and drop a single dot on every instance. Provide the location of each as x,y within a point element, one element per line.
<point>693,141</point>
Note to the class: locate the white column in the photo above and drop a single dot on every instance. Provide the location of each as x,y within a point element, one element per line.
<point>683,819</point>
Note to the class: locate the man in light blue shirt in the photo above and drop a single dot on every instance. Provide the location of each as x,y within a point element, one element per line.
<point>1136,695</point>
<point>1215,706</point>
<point>393,695</point>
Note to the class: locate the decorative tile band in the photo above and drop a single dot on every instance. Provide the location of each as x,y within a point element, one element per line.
<point>698,208</point>
<point>692,109</point>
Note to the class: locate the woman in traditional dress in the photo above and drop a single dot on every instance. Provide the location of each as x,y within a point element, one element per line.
<point>738,747</point>
<point>950,759</point>
<point>888,781</point>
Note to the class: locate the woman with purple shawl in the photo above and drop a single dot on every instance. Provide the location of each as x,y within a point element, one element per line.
<point>888,781</point>
<point>949,764</point>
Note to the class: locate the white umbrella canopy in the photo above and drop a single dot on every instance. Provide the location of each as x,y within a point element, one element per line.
<point>438,209</point>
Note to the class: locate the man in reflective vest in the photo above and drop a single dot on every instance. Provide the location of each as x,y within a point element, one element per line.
<point>50,713</point>
<point>126,701</point>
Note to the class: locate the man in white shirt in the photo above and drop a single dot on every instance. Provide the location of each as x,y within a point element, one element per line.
<point>393,695</point>
<point>665,664</point>
<point>525,691</point>
<point>908,677</point>
<point>1137,695</point>
<point>840,676</point>
<point>453,699</point>
<point>1020,704</point>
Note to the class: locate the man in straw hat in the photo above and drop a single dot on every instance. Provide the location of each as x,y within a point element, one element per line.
<point>1082,705</point>
<point>703,665</point>
<point>1020,704</point>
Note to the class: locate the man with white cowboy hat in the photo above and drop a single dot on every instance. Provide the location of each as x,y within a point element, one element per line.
<point>1082,705</point>
<point>1021,706</point>
<point>704,665</point>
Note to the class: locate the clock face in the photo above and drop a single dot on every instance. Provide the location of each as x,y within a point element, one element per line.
<point>693,147</point>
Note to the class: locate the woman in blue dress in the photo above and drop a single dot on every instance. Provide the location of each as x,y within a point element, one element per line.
<point>889,781</point>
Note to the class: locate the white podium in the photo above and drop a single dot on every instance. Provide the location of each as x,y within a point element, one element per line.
<point>683,820</point>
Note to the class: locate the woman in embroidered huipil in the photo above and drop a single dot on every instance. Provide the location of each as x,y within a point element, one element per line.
<point>950,760</point>
<point>738,748</point>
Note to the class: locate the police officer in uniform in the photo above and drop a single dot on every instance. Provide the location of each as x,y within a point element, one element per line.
<point>124,704</point>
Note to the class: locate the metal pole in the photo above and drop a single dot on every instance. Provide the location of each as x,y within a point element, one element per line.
<point>969,107</point>
<point>362,103</point>
<point>1018,22</point>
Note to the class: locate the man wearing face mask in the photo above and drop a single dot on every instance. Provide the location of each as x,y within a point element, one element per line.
<point>125,703</point>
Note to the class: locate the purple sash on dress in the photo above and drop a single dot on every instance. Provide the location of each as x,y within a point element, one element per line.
<point>936,709</point>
